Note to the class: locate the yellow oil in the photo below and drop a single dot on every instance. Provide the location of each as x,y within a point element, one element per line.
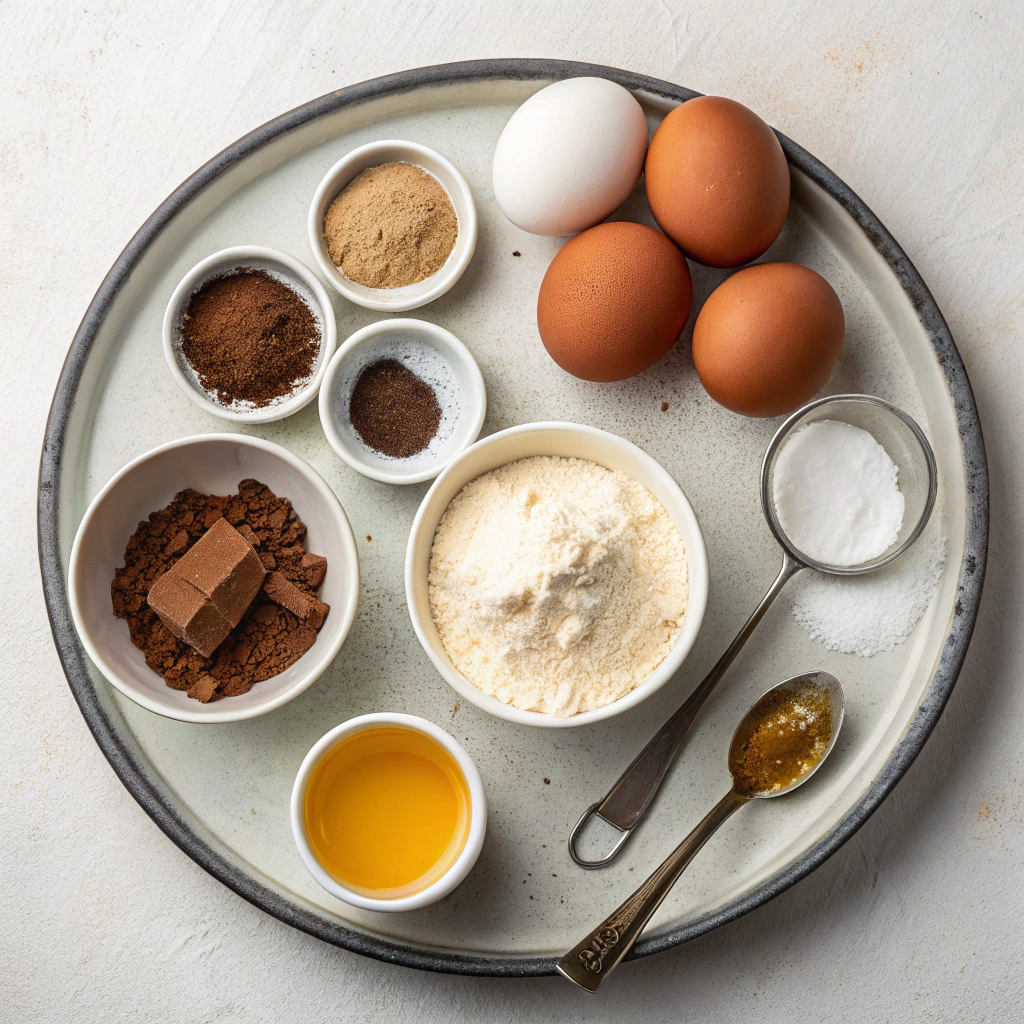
<point>387,812</point>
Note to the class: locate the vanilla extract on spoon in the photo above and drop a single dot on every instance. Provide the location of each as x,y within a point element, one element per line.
<point>792,731</point>
<point>777,746</point>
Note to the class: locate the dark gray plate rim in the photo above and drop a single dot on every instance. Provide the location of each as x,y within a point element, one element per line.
<point>161,804</point>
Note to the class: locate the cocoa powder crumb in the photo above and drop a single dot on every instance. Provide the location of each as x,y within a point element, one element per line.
<point>269,638</point>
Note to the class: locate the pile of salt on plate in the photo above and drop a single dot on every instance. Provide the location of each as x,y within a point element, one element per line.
<point>871,614</point>
<point>837,494</point>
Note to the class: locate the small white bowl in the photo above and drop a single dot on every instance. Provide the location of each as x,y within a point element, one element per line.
<point>410,296</point>
<point>434,355</point>
<point>569,440</point>
<point>477,813</point>
<point>212,464</point>
<point>285,269</point>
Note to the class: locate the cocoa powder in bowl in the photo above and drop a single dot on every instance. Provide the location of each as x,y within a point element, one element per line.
<point>249,338</point>
<point>280,625</point>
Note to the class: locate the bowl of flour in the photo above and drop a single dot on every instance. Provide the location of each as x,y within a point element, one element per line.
<point>556,575</point>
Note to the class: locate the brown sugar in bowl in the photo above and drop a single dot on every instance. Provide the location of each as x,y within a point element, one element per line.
<point>613,301</point>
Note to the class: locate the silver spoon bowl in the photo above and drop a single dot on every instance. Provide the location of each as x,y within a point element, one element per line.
<point>592,960</point>
<point>627,801</point>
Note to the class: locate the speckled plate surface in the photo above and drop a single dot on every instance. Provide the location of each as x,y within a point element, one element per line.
<point>221,792</point>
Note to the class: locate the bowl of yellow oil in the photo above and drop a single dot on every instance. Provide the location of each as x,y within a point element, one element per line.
<point>388,812</point>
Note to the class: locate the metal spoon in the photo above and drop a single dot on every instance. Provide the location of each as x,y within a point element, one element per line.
<point>627,801</point>
<point>589,963</point>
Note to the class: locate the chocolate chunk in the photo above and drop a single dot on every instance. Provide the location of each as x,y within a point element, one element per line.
<point>303,606</point>
<point>282,591</point>
<point>204,595</point>
<point>223,565</point>
<point>315,567</point>
<point>317,614</point>
<point>188,613</point>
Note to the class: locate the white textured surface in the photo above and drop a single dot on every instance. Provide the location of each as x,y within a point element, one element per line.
<point>107,109</point>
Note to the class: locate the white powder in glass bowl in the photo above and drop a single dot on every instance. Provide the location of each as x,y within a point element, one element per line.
<point>837,493</point>
<point>557,585</point>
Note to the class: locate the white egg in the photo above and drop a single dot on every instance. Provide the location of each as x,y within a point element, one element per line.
<point>569,156</point>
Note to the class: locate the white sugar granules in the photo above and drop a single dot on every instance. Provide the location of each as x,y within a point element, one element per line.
<point>836,493</point>
<point>557,585</point>
<point>872,613</point>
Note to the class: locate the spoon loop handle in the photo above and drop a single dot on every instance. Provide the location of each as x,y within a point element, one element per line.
<point>590,962</point>
<point>625,803</point>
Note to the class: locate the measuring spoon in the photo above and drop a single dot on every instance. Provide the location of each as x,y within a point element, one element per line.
<point>628,800</point>
<point>589,963</point>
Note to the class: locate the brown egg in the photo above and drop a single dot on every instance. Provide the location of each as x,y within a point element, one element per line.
<point>613,301</point>
<point>768,338</point>
<point>717,181</point>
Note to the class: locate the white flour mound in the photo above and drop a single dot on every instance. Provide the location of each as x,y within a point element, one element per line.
<point>557,585</point>
<point>872,613</point>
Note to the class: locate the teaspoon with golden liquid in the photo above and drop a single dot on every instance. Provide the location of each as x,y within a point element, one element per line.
<point>814,702</point>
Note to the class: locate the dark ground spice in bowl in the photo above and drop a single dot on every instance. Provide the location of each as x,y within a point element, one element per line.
<point>279,626</point>
<point>250,338</point>
<point>394,411</point>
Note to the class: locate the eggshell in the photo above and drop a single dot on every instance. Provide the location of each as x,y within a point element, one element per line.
<point>613,301</point>
<point>570,156</point>
<point>768,338</point>
<point>717,181</point>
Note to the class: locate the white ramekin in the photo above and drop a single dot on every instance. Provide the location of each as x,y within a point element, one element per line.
<point>410,296</point>
<point>212,464</point>
<point>464,403</point>
<point>569,440</point>
<point>477,813</point>
<point>286,269</point>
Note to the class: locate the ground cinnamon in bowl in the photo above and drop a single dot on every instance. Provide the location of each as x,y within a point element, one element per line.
<point>392,225</point>
<point>250,339</point>
<point>280,625</point>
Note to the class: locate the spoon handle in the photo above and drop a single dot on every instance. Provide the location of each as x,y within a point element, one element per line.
<point>589,963</point>
<point>627,801</point>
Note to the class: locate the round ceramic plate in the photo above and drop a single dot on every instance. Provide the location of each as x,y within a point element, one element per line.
<point>221,792</point>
